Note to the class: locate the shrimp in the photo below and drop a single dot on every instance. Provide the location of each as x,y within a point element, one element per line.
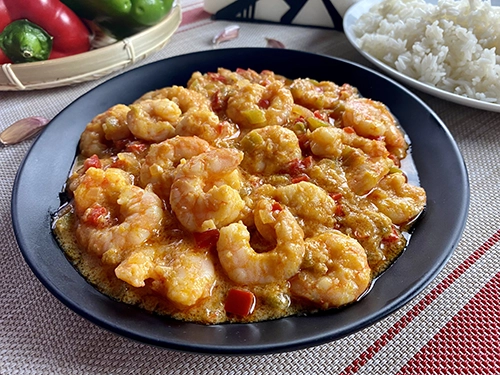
<point>315,95</point>
<point>184,277</point>
<point>185,98</point>
<point>335,271</point>
<point>153,119</point>
<point>189,277</point>
<point>103,129</point>
<point>363,172</point>
<point>204,123</point>
<point>114,215</point>
<point>330,141</point>
<point>308,202</point>
<point>270,149</point>
<point>204,194</point>
<point>159,164</point>
<point>397,199</point>
<point>244,265</point>
<point>255,106</point>
<point>372,119</point>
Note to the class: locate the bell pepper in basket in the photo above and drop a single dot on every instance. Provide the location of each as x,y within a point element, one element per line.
<point>23,25</point>
<point>121,18</point>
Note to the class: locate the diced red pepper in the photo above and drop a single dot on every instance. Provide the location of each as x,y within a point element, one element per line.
<point>339,210</point>
<point>207,239</point>
<point>92,162</point>
<point>240,302</point>
<point>350,130</point>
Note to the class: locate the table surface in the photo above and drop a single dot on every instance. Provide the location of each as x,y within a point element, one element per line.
<point>451,327</point>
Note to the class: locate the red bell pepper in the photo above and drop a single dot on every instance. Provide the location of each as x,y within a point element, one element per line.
<point>70,35</point>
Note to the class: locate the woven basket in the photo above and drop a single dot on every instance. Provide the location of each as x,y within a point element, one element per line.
<point>93,64</point>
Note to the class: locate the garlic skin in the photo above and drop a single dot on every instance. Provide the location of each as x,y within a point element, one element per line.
<point>229,33</point>
<point>22,130</point>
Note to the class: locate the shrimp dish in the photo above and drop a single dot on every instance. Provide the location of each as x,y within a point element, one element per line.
<point>241,197</point>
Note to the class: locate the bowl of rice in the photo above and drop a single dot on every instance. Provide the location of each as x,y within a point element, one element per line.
<point>449,49</point>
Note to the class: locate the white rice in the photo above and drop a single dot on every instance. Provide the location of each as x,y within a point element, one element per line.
<point>452,45</point>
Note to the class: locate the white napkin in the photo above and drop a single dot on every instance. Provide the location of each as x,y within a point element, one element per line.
<point>322,13</point>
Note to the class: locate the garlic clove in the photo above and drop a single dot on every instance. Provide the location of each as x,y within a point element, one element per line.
<point>22,130</point>
<point>273,43</point>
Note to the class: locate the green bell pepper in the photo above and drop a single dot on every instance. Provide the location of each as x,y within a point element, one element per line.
<point>121,18</point>
<point>23,41</point>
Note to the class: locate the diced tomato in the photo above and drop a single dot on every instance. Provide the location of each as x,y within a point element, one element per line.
<point>264,103</point>
<point>350,130</point>
<point>96,216</point>
<point>277,207</point>
<point>339,210</point>
<point>240,302</point>
<point>92,162</point>
<point>136,147</point>
<point>304,143</point>
<point>218,102</point>
<point>393,237</point>
<point>319,115</point>
<point>300,178</point>
<point>298,167</point>
<point>336,196</point>
<point>207,239</point>
<point>217,77</point>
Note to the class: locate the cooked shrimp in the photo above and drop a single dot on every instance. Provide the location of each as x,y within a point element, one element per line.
<point>204,193</point>
<point>189,277</point>
<point>270,149</point>
<point>204,123</point>
<point>108,126</point>
<point>372,119</point>
<point>159,164</point>
<point>363,172</point>
<point>315,95</point>
<point>255,106</point>
<point>245,266</point>
<point>153,119</point>
<point>114,215</point>
<point>308,202</point>
<point>184,277</point>
<point>335,271</point>
<point>183,97</point>
<point>128,162</point>
<point>329,141</point>
<point>398,199</point>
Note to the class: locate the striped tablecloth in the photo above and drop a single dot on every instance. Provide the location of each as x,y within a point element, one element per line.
<point>452,327</point>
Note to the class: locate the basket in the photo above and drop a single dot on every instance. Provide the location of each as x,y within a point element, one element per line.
<point>93,64</point>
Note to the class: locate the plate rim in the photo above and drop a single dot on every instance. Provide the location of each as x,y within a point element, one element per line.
<point>353,14</point>
<point>243,349</point>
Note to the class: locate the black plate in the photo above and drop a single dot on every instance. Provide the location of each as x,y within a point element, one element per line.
<point>436,156</point>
